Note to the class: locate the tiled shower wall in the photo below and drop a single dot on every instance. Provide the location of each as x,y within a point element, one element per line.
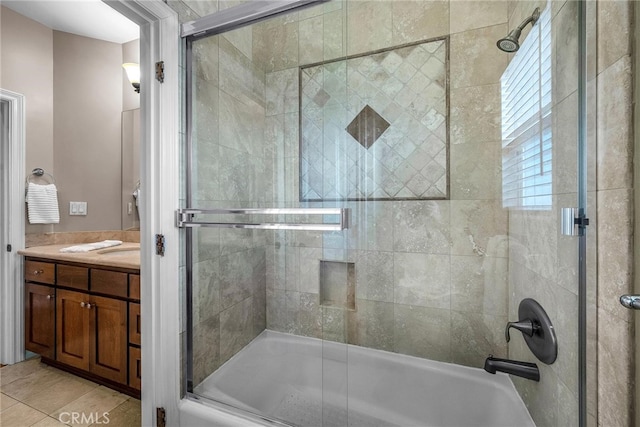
<point>611,81</point>
<point>451,243</point>
<point>431,276</point>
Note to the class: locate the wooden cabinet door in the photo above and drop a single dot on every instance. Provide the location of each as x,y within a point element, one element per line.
<point>40,334</point>
<point>72,328</point>
<point>109,345</point>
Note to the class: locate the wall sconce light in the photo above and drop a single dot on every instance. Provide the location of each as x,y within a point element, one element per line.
<point>133,74</point>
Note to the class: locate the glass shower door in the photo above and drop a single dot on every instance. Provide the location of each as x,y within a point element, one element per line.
<point>256,324</point>
<point>453,159</point>
<point>439,274</point>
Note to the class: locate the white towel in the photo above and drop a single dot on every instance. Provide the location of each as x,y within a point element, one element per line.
<point>92,246</point>
<point>43,204</point>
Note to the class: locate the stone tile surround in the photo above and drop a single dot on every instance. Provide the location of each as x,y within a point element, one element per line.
<point>381,321</point>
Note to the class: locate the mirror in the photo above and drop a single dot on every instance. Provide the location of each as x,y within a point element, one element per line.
<point>130,169</point>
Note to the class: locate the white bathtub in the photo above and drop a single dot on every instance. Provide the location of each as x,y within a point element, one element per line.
<point>308,382</point>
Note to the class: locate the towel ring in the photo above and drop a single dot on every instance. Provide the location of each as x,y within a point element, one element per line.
<point>39,172</point>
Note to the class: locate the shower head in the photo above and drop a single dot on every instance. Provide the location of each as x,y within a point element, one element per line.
<point>510,43</point>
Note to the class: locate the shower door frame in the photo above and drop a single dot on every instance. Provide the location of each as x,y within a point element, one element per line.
<point>582,166</point>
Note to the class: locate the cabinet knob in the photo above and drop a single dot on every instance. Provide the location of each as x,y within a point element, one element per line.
<point>50,296</point>
<point>82,304</point>
<point>38,272</point>
<point>89,306</point>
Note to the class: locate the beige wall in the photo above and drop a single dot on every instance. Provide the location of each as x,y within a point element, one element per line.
<point>75,91</point>
<point>87,79</point>
<point>27,68</point>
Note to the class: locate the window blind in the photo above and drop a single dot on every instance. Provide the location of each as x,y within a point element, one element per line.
<point>527,122</point>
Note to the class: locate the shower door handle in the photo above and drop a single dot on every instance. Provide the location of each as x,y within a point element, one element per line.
<point>630,301</point>
<point>185,218</point>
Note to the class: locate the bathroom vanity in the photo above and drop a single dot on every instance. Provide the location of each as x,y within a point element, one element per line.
<point>82,312</point>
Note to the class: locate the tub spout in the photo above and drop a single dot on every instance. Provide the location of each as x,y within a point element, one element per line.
<point>514,367</point>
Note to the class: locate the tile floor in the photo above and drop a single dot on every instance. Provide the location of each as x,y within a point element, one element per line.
<point>34,394</point>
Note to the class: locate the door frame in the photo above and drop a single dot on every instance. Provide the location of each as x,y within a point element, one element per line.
<point>13,226</point>
<point>159,173</point>
<point>635,343</point>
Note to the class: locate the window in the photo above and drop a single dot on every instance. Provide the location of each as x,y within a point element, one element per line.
<point>527,122</point>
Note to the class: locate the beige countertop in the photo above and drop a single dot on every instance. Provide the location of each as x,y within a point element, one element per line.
<point>108,257</point>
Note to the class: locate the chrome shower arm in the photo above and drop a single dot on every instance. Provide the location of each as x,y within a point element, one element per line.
<point>530,20</point>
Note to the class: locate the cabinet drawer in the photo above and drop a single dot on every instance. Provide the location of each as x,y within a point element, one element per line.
<point>134,323</point>
<point>135,362</point>
<point>109,282</point>
<point>134,286</point>
<point>73,277</point>
<point>43,272</point>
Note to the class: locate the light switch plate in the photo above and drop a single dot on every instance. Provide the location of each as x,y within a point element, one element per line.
<point>77,208</point>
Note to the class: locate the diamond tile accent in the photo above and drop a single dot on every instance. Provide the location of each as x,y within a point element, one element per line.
<point>394,104</point>
<point>321,98</point>
<point>367,127</point>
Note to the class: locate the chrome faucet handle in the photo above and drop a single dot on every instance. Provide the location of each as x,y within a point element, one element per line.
<point>525,326</point>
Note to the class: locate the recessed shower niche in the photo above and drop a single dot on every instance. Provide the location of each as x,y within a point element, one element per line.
<point>338,284</point>
<point>375,126</point>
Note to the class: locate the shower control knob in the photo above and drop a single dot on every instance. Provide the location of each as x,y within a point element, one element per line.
<point>537,330</point>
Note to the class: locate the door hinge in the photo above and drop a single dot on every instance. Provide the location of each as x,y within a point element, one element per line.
<point>160,244</point>
<point>161,417</point>
<point>160,71</point>
<point>8,248</point>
